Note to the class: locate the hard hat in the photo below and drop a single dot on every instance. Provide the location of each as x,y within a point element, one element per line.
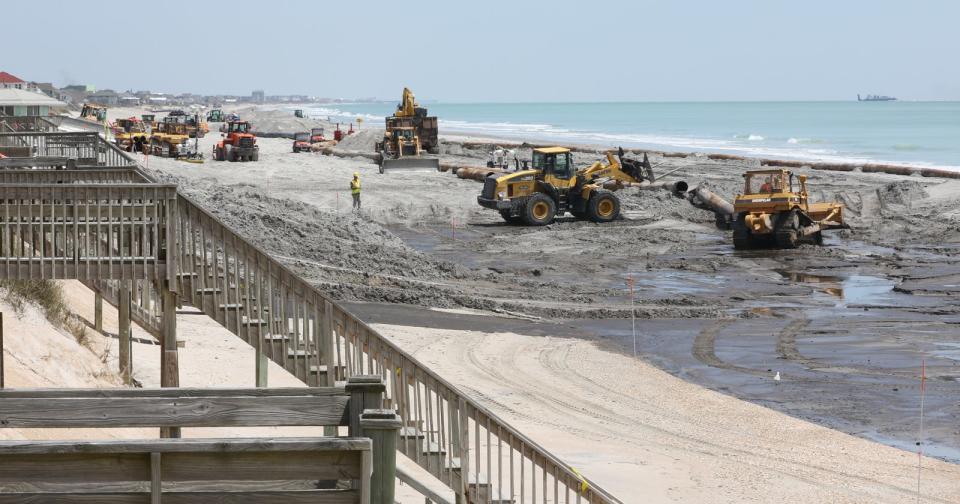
<point>356,174</point>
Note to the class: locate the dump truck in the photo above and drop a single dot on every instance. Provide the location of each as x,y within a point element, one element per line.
<point>195,127</point>
<point>774,210</point>
<point>552,186</point>
<point>316,135</point>
<point>238,143</point>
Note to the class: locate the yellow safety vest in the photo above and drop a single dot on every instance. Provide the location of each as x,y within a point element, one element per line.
<point>355,186</point>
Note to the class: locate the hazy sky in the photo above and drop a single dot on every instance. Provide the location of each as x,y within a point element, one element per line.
<point>586,50</point>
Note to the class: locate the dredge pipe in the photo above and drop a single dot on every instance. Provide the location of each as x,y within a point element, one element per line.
<point>476,173</point>
<point>706,199</point>
<point>677,188</point>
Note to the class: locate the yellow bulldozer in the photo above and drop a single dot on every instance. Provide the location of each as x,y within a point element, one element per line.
<point>775,211</point>
<point>408,133</point>
<point>93,113</point>
<point>552,186</point>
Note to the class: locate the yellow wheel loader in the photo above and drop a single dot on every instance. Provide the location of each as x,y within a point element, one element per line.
<point>775,211</point>
<point>552,186</point>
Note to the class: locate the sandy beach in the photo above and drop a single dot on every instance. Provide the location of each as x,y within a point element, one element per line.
<point>535,323</point>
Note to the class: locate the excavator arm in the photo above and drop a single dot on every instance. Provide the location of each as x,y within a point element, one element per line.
<point>408,104</point>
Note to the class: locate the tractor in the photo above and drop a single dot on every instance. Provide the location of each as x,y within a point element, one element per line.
<point>238,143</point>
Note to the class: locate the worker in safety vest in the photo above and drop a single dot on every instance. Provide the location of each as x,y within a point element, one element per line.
<point>355,190</point>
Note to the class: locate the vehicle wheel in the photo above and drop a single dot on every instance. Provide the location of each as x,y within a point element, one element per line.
<point>296,150</point>
<point>742,239</point>
<point>509,217</point>
<point>603,206</point>
<point>489,164</point>
<point>255,156</point>
<point>818,238</point>
<point>786,233</point>
<point>539,210</point>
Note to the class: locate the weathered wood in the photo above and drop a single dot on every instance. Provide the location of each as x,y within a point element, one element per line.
<point>266,497</point>
<point>156,478</point>
<point>382,427</point>
<point>123,330</point>
<point>173,412</point>
<point>98,311</point>
<point>188,445</point>
<point>366,392</point>
<point>172,393</point>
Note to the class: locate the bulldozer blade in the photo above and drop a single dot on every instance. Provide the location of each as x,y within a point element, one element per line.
<point>410,163</point>
<point>647,168</point>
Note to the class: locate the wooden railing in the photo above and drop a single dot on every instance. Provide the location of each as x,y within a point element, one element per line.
<point>201,470</point>
<point>87,231</point>
<point>88,149</point>
<point>26,123</point>
<point>477,454</point>
<point>286,319</point>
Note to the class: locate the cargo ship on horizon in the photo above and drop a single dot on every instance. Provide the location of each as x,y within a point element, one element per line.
<point>871,97</point>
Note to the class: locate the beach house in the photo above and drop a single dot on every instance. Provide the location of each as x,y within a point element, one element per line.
<point>17,102</point>
<point>10,81</point>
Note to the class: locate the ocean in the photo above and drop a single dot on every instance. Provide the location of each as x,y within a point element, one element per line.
<point>920,133</point>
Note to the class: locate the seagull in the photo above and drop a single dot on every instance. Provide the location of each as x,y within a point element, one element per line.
<point>776,378</point>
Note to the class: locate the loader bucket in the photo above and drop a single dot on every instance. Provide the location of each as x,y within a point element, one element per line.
<point>410,163</point>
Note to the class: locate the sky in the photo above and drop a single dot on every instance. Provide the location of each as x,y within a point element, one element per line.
<point>495,51</point>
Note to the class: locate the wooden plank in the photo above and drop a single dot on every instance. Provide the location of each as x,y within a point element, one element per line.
<point>264,497</point>
<point>80,393</point>
<point>179,412</point>
<point>140,447</point>
<point>260,466</point>
<point>156,479</point>
<point>73,467</point>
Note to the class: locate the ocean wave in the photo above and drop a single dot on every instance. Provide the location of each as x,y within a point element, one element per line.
<point>751,137</point>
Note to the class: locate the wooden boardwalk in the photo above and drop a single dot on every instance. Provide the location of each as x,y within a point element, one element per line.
<point>150,248</point>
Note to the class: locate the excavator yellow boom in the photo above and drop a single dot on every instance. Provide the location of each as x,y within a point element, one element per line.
<point>408,104</point>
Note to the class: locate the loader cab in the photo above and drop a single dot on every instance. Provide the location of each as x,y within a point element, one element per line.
<point>555,161</point>
<point>238,127</point>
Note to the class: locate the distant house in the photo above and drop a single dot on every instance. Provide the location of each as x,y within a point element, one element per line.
<point>9,81</point>
<point>257,96</point>
<point>107,97</point>
<point>49,89</point>
<point>129,100</point>
<point>19,102</point>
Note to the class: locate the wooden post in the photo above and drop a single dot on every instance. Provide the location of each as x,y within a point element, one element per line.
<point>156,486</point>
<point>327,356</point>
<point>382,427</point>
<point>261,365</point>
<point>98,311</point>
<point>366,392</point>
<point>169,362</point>
<point>123,330</point>
<point>1,350</point>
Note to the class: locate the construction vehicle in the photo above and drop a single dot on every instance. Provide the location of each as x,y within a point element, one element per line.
<point>195,127</point>
<point>339,134</point>
<point>316,135</point>
<point>409,114</point>
<point>775,211</point>
<point>400,148</point>
<point>301,142</point>
<point>125,131</point>
<point>149,120</point>
<point>238,143</point>
<point>215,115</point>
<point>93,113</point>
<point>298,113</point>
<point>169,139</point>
<point>501,159</point>
<point>552,186</point>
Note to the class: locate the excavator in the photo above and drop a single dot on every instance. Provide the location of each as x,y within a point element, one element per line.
<point>215,115</point>
<point>408,130</point>
<point>238,143</point>
<point>552,186</point>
